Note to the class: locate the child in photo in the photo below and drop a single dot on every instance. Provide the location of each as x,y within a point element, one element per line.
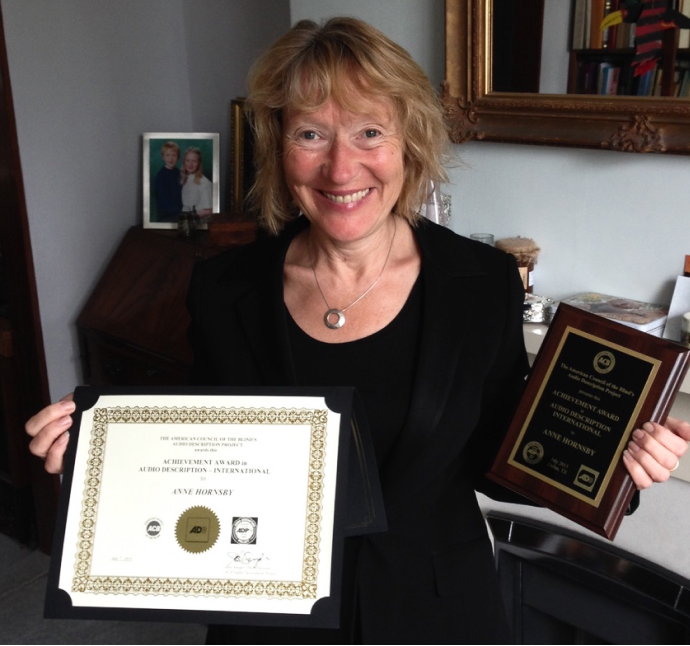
<point>197,189</point>
<point>168,191</point>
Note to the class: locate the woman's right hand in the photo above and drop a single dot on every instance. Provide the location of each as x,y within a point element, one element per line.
<point>49,429</point>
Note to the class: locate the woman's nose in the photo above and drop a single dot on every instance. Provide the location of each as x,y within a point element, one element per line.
<point>341,163</point>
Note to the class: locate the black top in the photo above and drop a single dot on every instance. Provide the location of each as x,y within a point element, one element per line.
<point>429,579</point>
<point>380,366</point>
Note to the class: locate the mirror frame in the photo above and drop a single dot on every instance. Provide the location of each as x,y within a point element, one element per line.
<point>474,112</point>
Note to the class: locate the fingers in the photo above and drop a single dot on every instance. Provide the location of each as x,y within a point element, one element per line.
<point>654,451</point>
<point>678,426</point>
<point>48,428</point>
<point>56,454</point>
<point>661,443</point>
<point>637,472</point>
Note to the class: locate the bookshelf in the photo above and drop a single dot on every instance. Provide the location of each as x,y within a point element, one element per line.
<point>601,61</point>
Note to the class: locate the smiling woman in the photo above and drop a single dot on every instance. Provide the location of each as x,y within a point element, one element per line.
<point>349,287</point>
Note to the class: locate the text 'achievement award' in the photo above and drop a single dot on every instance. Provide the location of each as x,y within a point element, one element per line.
<point>593,382</point>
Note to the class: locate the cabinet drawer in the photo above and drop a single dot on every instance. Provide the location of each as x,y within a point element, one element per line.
<point>111,363</point>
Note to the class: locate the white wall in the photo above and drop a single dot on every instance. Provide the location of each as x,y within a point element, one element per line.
<point>416,25</point>
<point>605,221</point>
<point>88,78</point>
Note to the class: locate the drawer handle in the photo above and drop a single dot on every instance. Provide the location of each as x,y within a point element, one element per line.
<point>114,368</point>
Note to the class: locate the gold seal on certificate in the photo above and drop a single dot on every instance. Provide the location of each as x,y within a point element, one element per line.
<point>218,508</point>
<point>593,382</point>
<point>197,529</point>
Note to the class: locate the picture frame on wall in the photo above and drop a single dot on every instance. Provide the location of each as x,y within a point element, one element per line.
<point>241,157</point>
<point>181,173</point>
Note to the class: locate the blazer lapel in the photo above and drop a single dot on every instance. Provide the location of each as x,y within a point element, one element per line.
<point>264,320</point>
<point>447,280</point>
<point>262,314</point>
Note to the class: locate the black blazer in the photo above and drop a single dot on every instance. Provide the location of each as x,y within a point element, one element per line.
<point>430,577</point>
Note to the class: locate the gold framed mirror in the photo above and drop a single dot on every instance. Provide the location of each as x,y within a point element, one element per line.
<point>475,112</point>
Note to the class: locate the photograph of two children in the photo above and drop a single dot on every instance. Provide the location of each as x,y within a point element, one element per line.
<point>180,176</point>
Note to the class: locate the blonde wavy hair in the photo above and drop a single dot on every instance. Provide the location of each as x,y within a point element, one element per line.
<point>312,64</point>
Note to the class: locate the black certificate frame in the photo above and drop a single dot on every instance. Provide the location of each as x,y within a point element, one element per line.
<point>358,509</point>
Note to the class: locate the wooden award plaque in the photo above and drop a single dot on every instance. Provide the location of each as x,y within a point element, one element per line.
<point>593,382</point>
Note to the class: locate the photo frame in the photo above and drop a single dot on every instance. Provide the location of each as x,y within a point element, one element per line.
<point>167,193</point>
<point>241,157</point>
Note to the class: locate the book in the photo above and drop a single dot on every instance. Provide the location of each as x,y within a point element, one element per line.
<point>640,315</point>
<point>684,34</point>
<point>596,35</point>
<point>608,79</point>
<point>680,304</point>
<point>612,37</point>
<point>608,35</point>
<point>578,39</point>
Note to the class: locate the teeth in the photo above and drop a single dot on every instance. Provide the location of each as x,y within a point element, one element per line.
<point>347,199</point>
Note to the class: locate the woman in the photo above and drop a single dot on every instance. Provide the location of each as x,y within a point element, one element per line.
<point>197,189</point>
<point>354,288</point>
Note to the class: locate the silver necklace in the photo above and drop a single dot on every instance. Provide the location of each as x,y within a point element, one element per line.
<point>339,314</point>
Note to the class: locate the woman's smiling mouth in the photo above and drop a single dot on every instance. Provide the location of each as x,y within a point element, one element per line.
<point>349,198</point>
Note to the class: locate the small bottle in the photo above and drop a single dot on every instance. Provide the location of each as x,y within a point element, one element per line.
<point>685,330</point>
<point>437,206</point>
<point>186,223</point>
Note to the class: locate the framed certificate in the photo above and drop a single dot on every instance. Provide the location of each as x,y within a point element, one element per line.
<point>221,506</point>
<point>593,382</point>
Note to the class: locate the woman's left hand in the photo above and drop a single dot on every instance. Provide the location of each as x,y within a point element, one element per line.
<point>655,450</point>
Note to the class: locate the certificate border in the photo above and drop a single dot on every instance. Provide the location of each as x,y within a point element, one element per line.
<point>355,513</point>
<point>625,436</point>
<point>85,582</point>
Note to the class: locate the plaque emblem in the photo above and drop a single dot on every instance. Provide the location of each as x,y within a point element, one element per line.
<point>197,529</point>
<point>586,478</point>
<point>533,453</point>
<point>604,362</point>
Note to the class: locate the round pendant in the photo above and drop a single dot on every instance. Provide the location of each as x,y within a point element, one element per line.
<point>339,321</point>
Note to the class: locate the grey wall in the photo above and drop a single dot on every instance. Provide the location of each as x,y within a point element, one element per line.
<point>88,78</point>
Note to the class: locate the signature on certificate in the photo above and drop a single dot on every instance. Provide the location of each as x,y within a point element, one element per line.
<point>245,558</point>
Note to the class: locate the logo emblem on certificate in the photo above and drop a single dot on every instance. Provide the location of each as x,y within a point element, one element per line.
<point>244,530</point>
<point>153,527</point>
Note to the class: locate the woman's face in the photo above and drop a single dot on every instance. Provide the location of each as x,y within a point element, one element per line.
<point>345,170</point>
<point>191,163</point>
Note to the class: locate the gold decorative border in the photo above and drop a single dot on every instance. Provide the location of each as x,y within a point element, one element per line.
<point>85,582</point>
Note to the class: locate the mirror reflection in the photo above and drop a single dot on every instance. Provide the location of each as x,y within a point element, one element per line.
<point>556,47</point>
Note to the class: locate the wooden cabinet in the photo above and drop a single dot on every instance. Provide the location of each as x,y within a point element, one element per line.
<point>132,330</point>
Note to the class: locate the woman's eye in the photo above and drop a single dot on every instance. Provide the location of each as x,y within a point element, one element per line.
<point>371,133</point>
<point>309,135</point>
